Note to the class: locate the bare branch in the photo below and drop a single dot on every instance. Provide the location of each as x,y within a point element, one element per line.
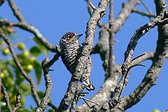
<point>34,31</point>
<point>123,15</point>
<point>16,11</point>
<point>73,91</point>
<point>146,7</point>
<point>33,89</point>
<point>157,63</point>
<point>90,31</point>
<point>87,48</point>
<point>18,102</point>
<point>143,13</point>
<point>44,102</point>
<point>105,92</point>
<point>6,97</point>
<point>128,56</point>
<point>90,7</point>
<point>111,39</point>
<point>142,57</point>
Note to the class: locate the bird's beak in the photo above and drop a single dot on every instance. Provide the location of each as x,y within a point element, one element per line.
<point>78,36</point>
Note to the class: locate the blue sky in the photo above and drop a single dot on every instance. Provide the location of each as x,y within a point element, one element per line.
<point>54,18</point>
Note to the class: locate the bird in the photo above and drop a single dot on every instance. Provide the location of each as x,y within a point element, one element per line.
<point>70,54</point>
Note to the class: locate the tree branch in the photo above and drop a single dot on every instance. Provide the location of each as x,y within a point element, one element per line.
<point>18,102</point>
<point>16,11</point>
<point>157,63</point>
<point>33,89</point>
<point>128,56</point>
<point>146,7</point>
<point>87,48</point>
<point>123,15</point>
<point>46,99</point>
<point>73,92</point>
<point>143,13</point>
<point>6,97</point>
<point>111,39</point>
<point>34,31</point>
<point>105,92</point>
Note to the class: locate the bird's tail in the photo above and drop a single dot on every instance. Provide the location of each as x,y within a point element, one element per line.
<point>86,82</point>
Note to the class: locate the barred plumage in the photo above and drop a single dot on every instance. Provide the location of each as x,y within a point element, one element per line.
<point>70,52</point>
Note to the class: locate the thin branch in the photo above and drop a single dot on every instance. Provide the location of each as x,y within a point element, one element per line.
<point>143,13</point>
<point>128,56</point>
<point>118,23</point>
<point>16,11</point>
<point>157,62</point>
<point>46,99</point>
<point>34,31</point>
<point>138,34</point>
<point>6,97</point>
<point>124,14</point>
<point>145,56</point>
<point>52,61</point>
<point>146,7</point>
<point>18,102</point>
<point>90,7</point>
<point>33,89</point>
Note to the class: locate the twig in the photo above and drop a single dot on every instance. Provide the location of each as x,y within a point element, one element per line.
<point>143,3</point>
<point>33,89</point>
<point>139,33</point>
<point>6,97</point>
<point>34,31</point>
<point>46,99</point>
<point>142,57</point>
<point>90,7</point>
<point>51,62</point>
<point>124,14</point>
<point>16,11</point>
<point>152,73</point>
<point>128,55</point>
<point>18,102</point>
<point>143,13</point>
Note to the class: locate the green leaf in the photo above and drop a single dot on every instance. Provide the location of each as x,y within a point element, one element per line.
<point>25,89</point>
<point>38,71</point>
<point>35,51</point>
<point>3,64</point>
<point>51,110</point>
<point>42,47</point>
<point>40,94</point>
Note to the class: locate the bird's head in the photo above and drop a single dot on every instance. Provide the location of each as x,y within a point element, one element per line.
<point>70,37</point>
